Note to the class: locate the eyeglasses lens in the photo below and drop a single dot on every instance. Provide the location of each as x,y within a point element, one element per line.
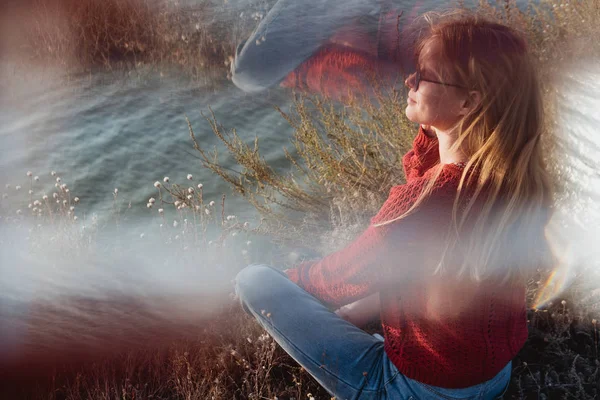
<point>417,79</point>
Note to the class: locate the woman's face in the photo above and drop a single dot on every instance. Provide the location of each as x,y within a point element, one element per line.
<point>434,104</point>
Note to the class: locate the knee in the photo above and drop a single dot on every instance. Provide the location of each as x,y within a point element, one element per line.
<point>254,276</point>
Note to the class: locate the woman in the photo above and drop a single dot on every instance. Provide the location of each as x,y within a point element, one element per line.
<point>449,251</point>
<point>330,47</point>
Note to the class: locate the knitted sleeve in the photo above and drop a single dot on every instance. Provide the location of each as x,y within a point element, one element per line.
<point>335,71</point>
<point>424,155</point>
<point>381,255</point>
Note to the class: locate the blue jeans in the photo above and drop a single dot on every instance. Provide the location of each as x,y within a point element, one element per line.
<point>348,362</point>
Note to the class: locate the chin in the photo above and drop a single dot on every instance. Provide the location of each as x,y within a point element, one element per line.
<point>410,115</point>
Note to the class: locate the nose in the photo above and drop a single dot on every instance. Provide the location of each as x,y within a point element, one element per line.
<point>410,81</point>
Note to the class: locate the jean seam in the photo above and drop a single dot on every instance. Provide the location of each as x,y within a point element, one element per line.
<point>324,369</point>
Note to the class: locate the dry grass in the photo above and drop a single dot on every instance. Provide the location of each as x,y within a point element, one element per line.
<point>83,35</point>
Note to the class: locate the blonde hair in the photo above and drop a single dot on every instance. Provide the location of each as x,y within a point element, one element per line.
<point>505,191</point>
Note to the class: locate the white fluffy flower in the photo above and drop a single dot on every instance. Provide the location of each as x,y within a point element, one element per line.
<point>30,191</point>
<point>149,205</point>
<point>55,195</point>
<point>151,200</point>
<point>175,223</point>
<point>58,180</point>
<point>166,179</point>
<point>72,208</point>
<point>190,177</point>
<point>37,178</point>
<point>177,203</point>
<point>207,211</point>
<point>44,197</point>
<point>116,191</point>
<point>157,184</point>
<point>76,200</point>
<point>191,190</point>
<point>37,203</point>
<point>75,218</point>
<point>160,211</point>
<point>19,212</point>
<point>29,174</point>
<point>17,187</point>
<point>200,186</point>
<point>212,203</point>
<point>189,197</point>
<point>53,173</point>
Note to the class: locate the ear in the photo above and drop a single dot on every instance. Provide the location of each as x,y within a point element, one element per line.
<point>471,102</point>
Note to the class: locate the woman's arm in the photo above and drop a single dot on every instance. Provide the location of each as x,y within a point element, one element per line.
<point>383,257</point>
<point>362,311</point>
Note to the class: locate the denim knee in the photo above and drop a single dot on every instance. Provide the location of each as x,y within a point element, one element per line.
<point>251,281</point>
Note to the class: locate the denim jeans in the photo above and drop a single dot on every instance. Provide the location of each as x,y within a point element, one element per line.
<point>348,362</point>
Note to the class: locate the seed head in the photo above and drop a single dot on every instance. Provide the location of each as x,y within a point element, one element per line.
<point>58,180</point>
<point>30,191</point>
<point>212,203</point>
<point>207,211</point>
<point>116,191</point>
<point>53,173</point>
<point>200,186</point>
<point>157,184</point>
<point>177,203</point>
<point>30,205</point>
<point>189,197</point>
<point>37,203</point>
<point>75,218</point>
<point>29,174</point>
<point>166,179</point>
<point>76,200</point>
<point>55,195</point>
<point>190,177</point>
<point>36,178</point>
<point>45,197</point>
<point>19,212</point>
<point>175,223</point>
<point>17,187</point>
<point>34,209</point>
<point>149,205</point>
<point>160,211</point>
<point>191,190</point>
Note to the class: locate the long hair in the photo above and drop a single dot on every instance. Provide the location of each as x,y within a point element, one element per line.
<point>505,192</point>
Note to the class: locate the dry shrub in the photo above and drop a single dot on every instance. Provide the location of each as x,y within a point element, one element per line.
<point>117,34</point>
<point>344,161</point>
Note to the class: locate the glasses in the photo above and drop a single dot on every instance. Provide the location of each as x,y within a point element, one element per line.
<point>419,78</point>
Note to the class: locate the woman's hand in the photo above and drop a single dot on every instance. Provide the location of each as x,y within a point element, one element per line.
<point>362,311</point>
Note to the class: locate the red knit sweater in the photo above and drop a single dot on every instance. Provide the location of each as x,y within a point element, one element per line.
<point>438,330</point>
